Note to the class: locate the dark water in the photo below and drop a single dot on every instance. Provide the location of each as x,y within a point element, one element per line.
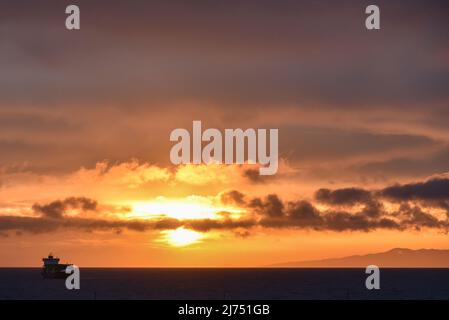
<point>228,284</point>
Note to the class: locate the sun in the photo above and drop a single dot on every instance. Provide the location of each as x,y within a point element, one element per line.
<point>182,237</point>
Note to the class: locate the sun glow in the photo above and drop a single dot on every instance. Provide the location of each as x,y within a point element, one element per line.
<point>182,237</point>
<point>193,207</point>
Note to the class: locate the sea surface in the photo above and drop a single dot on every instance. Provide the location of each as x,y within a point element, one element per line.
<point>247,283</point>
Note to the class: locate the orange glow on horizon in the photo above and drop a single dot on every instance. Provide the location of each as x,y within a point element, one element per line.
<point>192,207</point>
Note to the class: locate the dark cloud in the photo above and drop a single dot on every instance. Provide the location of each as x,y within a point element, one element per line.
<point>254,176</point>
<point>416,218</point>
<point>344,221</point>
<point>304,212</point>
<point>56,209</point>
<point>223,224</point>
<point>45,224</point>
<point>432,193</point>
<point>373,208</point>
<point>431,190</point>
<point>345,196</point>
<point>370,213</point>
<point>300,214</point>
<point>270,206</point>
<point>303,215</point>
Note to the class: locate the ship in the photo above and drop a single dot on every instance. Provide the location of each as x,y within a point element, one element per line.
<point>52,269</point>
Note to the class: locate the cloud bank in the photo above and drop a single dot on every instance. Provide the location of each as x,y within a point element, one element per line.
<point>410,206</point>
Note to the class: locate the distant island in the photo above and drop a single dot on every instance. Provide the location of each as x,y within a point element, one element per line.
<point>395,258</point>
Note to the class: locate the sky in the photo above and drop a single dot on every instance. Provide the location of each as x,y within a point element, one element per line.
<point>86,116</point>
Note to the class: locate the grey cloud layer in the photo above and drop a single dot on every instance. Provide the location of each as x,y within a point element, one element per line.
<point>246,52</point>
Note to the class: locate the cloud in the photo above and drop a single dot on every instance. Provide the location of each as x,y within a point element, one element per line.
<point>232,197</point>
<point>56,209</point>
<point>45,224</point>
<point>240,58</point>
<point>299,214</point>
<point>254,176</point>
<point>347,210</point>
<point>223,224</point>
<point>343,221</point>
<point>345,196</point>
<point>270,206</point>
<point>365,210</point>
<point>304,212</point>
<point>228,70</point>
<point>208,174</point>
<point>416,218</point>
<point>129,174</point>
<point>431,190</point>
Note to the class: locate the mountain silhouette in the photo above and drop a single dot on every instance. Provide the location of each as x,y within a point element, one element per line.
<point>394,258</point>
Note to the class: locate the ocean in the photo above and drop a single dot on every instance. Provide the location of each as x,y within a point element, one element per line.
<point>232,284</point>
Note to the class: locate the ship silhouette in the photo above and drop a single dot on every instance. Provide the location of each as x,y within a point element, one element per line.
<point>52,269</point>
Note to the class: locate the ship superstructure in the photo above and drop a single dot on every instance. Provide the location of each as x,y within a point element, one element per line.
<point>52,268</point>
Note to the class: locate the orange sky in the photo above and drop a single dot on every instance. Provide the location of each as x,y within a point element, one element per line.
<point>85,120</point>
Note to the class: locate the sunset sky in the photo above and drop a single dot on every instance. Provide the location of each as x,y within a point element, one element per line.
<point>86,115</point>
